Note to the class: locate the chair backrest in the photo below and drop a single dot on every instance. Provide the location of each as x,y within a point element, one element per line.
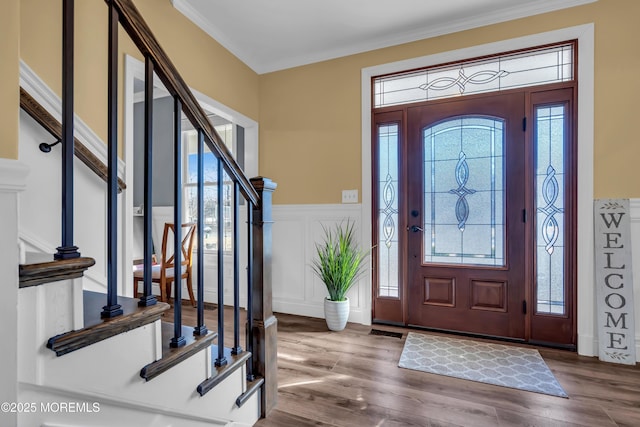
<point>188,233</point>
<point>160,215</point>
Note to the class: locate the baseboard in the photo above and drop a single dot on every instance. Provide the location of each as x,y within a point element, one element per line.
<point>313,310</point>
<point>589,342</point>
<point>587,345</point>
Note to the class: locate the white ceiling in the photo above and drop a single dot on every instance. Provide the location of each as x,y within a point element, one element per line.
<point>271,35</point>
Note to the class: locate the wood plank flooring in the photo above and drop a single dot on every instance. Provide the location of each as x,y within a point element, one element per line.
<point>351,378</point>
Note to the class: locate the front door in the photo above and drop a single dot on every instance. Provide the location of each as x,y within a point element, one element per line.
<point>465,200</point>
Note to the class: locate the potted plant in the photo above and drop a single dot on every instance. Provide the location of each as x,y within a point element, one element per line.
<point>338,264</point>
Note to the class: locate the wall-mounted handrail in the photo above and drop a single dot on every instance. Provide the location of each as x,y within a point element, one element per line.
<point>53,126</point>
<point>141,35</point>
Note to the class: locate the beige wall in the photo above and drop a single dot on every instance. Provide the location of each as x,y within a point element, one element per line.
<point>9,89</point>
<point>310,120</point>
<point>203,63</point>
<point>310,139</point>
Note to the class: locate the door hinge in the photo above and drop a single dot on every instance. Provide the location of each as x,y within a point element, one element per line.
<point>524,124</point>
<point>524,215</point>
<point>524,307</point>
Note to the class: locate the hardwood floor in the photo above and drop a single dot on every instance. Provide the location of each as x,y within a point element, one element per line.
<point>351,378</point>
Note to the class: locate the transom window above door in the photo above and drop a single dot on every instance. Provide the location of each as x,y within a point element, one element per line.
<point>544,65</point>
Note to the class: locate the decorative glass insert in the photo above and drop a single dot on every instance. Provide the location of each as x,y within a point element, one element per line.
<point>464,191</point>
<point>549,198</point>
<point>512,70</point>
<point>388,210</point>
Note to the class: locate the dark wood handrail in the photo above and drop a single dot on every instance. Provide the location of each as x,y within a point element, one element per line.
<point>140,33</point>
<point>53,126</point>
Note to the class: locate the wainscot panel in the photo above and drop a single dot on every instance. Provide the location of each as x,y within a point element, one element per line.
<point>296,289</point>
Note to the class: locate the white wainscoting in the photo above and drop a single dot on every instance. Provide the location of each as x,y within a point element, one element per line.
<point>296,289</point>
<point>13,179</point>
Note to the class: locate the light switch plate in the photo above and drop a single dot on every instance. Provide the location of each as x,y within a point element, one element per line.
<point>350,196</point>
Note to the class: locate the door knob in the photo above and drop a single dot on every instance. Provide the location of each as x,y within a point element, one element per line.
<point>414,228</point>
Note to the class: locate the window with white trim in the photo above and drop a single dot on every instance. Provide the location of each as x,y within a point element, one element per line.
<point>190,187</point>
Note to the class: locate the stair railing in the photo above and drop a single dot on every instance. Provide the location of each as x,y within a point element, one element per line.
<point>261,324</point>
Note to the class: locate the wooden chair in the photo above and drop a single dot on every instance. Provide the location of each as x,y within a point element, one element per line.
<point>163,273</point>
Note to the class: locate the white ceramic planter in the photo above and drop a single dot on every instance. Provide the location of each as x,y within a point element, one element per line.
<point>336,313</point>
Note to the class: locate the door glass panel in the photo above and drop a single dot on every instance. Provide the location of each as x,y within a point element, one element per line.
<point>550,159</point>
<point>388,210</point>
<point>464,191</point>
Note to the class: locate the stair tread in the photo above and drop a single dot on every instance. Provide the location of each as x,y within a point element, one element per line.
<point>252,388</point>
<point>42,268</point>
<point>219,373</point>
<point>171,356</point>
<point>97,329</point>
<point>94,301</point>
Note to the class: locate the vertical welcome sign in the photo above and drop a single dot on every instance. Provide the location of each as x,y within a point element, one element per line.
<point>614,281</point>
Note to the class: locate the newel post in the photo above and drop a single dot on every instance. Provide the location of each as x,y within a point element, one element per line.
<point>265,325</point>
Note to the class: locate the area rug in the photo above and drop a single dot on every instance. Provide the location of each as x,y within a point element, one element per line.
<point>507,366</point>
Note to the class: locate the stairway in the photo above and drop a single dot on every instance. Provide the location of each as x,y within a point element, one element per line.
<point>86,355</point>
<point>81,370</point>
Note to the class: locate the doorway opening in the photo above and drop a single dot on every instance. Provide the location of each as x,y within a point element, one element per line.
<point>474,193</point>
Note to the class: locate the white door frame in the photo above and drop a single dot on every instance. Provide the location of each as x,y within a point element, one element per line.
<point>587,339</point>
<point>134,69</point>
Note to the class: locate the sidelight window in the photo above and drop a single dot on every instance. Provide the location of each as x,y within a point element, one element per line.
<point>388,250</point>
<point>550,143</point>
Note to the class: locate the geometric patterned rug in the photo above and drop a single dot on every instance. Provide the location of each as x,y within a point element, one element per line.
<point>508,366</point>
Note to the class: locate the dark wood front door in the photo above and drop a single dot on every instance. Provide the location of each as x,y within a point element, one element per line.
<point>466,194</point>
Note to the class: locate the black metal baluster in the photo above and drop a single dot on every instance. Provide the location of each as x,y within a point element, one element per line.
<point>249,343</point>
<point>236,269</point>
<point>148,299</point>
<point>112,308</point>
<point>200,328</point>
<point>178,340</point>
<point>67,250</point>
<point>221,360</point>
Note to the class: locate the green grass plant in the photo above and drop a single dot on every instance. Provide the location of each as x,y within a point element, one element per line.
<point>339,260</point>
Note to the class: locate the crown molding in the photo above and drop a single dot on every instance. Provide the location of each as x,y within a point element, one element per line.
<point>207,26</point>
<point>397,38</point>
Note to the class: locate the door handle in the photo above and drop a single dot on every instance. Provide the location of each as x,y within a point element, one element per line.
<point>414,228</point>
